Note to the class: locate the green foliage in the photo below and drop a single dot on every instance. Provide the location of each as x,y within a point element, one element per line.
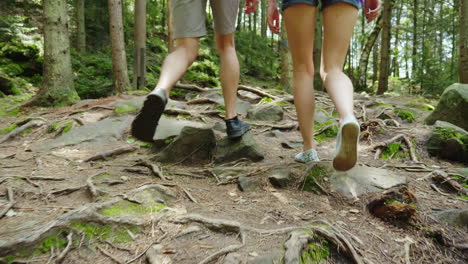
<point>330,132</point>
<point>128,208</point>
<point>394,151</point>
<point>64,126</point>
<point>316,174</point>
<point>10,101</point>
<point>449,133</point>
<point>316,252</point>
<point>7,129</point>
<point>58,240</point>
<point>115,234</point>
<point>405,114</point>
<point>93,74</point>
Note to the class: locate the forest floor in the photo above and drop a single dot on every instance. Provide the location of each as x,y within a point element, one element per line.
<point>196,212</point>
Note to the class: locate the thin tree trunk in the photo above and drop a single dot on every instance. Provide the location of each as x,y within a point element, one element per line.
<point>395,66</point>
<point>170,32</point>
<point>375,64</point>
<point>318,84</point>
<point>385,49</point>
<point>463,68</point>
<point>414,59</point>
<point>119,59</point>
<point>239,15</point>
<point>57,88</point>
<point>139,61</point>
<point>263,14</point>
<point>364,61</point>
<point>80,18</point>
<point>286,61</point>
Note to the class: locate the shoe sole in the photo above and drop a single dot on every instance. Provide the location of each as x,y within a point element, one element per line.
<point>145,123</point>
<point>239,134</point>
<point>347,155</point>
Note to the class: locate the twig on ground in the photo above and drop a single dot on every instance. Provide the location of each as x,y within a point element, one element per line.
<point>107,254</point>
<point>115,246</point>
<point>11,202</point>
<point>397,138</point>
<point>113,152</point>
<point>259,92</point>
<point>20,129</point>
<point>279,126</point>
<point>68,190</point>
<point>64,253</point>
<point>188,194</point>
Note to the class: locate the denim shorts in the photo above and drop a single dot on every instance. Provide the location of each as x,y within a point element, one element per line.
<point>325,3</point>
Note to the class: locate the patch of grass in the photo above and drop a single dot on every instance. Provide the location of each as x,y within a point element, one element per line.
<point>405,114</point>
<point>65,126</point>
<point>330,132</point>
<point>125,208</point>
<point>184,116</point>
<point>178,93</point>
<point>394,151</point>
<point>7,129</point>
<point>115,234</point>
<point>316,174</point>
<point>126,109</point>
<point>316,252</point>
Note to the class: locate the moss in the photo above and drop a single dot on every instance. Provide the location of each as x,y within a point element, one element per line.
<point>394,151</point>
<point>125,208</point>
<point>384,105</point>
<point>450,133</point>
<point>7,129</point>
<point>464,197</point>
<point>184,116</point>
<point>123,109</point>
<point>57,240</point>
<point>64,126</point>
<point>178,93</point>
<point>10,101</point>
<point>424,106</point>
<point>143,91</point>
<point>316,174</point>
<point>266,100</point>
<point>114,234</point>
<point>221,108</point>
<point>26,131</point>
<point>316,252</point>
<point>405,114</point>
<point>330,132</point>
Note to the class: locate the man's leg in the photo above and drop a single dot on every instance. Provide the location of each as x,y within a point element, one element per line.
<point>300,26</point>
<point>229,74</point>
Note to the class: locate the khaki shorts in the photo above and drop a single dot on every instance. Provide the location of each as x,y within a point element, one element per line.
<point>188,17</point>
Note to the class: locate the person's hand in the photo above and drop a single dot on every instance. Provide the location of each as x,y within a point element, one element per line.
<point>273,17</point>
<point>371,9</point>
<point>251,6</point>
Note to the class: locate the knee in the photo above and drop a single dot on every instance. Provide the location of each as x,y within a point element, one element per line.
<point>304,68</point>
<point>225,43</point>
<point>189,46</point>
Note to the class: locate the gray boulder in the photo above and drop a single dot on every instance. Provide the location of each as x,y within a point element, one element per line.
<point>266,112</point>
<point>457,218</point>
<point>281,179</point>
<point>453,106</point>
<point>248,184</point>
<point>231,150</point>
<point>193,145</point>
<point>448,142</point>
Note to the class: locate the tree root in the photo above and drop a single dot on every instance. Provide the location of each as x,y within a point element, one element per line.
<point>289,126</point>
<point>192,87</point>
<point>20,129</point>
<point>224,251</point>
<point>441,177</point>
<point>155,169</point>
<point>109,255</point>
<point>113,152</point>
<point>64,253</point>
<point>259,92</point>
<point>202,101</point>
<point>87,213</point>
<point>11,202</point>
<point>178,112</point>
<point>397,138</point>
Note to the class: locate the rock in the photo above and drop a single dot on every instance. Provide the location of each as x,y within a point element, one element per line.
<point>171,127</point>
<point>134,105</point>
<point>453,217</point>
<point>247,184</point>
<point>448,142</point>
<point>232,258</point>
<point>155,254</point>
<point>275,133</point>
<point>266,112</point>
<point>464,172</point>
<point>362,180</point>
<point>107,130</point>
<point>453,106</point>
<point>241,105</point>
<point>281,179</point>
<point>394,205</point>
<point>230,150</point>
<point>291,144</point>
<point>193,145</point>
<point>271,257</point>
<point>320,116</point>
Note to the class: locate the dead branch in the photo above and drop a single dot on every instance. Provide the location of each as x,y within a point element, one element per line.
<point>411,148</point>
<point>259,92</point>
<point>191,87</point>
<point>202,101</point>
<point>224,251</point>
<point>11,202</point>
<point>113,152</point>
<point>64,253</point>
<point>109,255</point>
<point>18,130</point>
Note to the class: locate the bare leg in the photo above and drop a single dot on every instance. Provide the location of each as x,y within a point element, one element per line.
<point>338,23</point>
<point>300,26</point>
<point>229,74</point>
<point>176,63</point>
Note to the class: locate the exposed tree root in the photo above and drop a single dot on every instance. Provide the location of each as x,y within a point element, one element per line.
<point>201,101</point>
<point>64,253</point>
<point>113,152</point>
<point>155,169</point>
<point>31,118</point>
<point>154,255</point>
<point>178,112</point>
<point>20,129</point>
<point>109,255</point>
<point>279,127</point>
<point>444,179</point>
<point>224,251</point>
<point>400,137</point>
<point>11,202</point>
<point>87,213</point>
<point>259,92</point>
<point>192,87</point>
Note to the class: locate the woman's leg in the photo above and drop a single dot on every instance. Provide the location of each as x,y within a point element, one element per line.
<point>300,26</point>
<point>338,24</point>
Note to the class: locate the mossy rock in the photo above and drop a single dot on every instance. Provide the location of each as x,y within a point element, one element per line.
<point>126,208</point>
<point>316,174</point>
<point>405,114</point>
<point>448,142</point>
<point>316,252</point>
<point>266,112</point>
<point>453,107</point>
<point>115,234</point>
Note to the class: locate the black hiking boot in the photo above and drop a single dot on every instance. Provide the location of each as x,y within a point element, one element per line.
<point>236,128</point>
<point>145,123</point>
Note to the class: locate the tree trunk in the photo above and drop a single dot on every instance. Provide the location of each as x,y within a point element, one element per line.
<point>139,61</point>
<point>80,19</point>
<point>385,47</point>
<point>463,67</point>
<point>57,88</point>
<point>365,54</point>
<point>263,14</point>
<point>375,64</point>
<point>170,32</point>
<point>119,59</point>
<point>414,60</point>
<point>318,84</point>
<point>286,61</point>
<point>239,15</point>
<point>395,64</point>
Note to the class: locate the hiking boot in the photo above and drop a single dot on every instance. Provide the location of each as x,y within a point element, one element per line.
<point>307,156</point>
<point>346,145</point>
<point>236,128</point>
<point>145,123</point>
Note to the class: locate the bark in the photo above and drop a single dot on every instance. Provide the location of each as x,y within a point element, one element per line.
<point>385,49</point>
<point>463,67</point>
<point>364,61</point>
<point>80,18</point>
<point>57,88</point>
<point>415,39</point>
<point>139,62</point>
<point>170,32</point>
<point>286,61</point>
<point>264,18</point>
<point>375,64</point>
<point>239,15</point>
<point>395,64</point>
<point>119,59</point>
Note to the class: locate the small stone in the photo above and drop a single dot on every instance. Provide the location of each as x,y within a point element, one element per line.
<point>280,179</point>
<point>124,178</point>
<point>253,254</point>
<point>352,218</point>
<point>266,112</point>
<point>247,184</point>
<point>354,211</point>
<point>231,150</point>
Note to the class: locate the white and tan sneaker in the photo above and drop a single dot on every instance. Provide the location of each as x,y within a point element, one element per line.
<point>347,144</point>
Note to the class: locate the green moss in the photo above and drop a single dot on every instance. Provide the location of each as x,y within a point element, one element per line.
<point>143,91</point>
<point>330,132</point>
<point>184,116</point>
<point>424,107</point>
<point>125,208</point>
<point>266,100</point>
<point>316,252</point>
<point>221,108</point>
<point>10,101</point>
<point>393,150</point>
<point>464,197</point>
<point>57,240</point>
<point>123,109</point>
<point>7,129</point>
<point>450,133</point>
<point>26,131</point>
<point>115,234</point>
<point>316,174</point>
<point>384,105</point>
<point>65,126</point>
<point>178,93</point>
<point>405,114</point>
